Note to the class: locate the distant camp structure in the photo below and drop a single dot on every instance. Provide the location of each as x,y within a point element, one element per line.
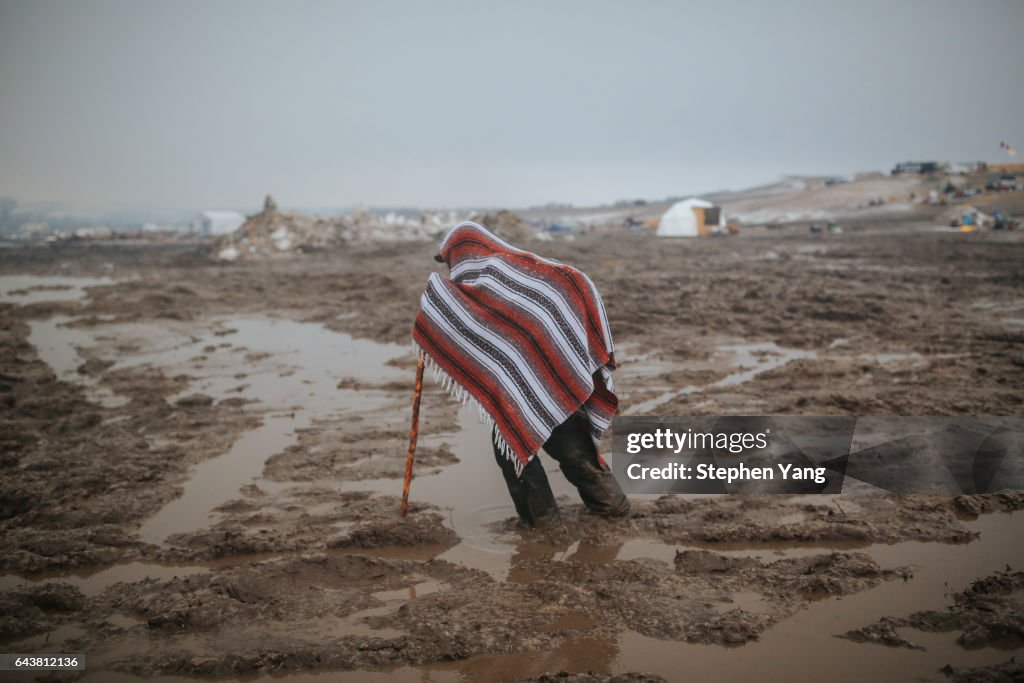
<point>691,217</point>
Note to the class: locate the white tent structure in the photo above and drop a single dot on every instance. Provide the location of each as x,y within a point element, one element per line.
<point>690,218</point>
<point>217,222</point>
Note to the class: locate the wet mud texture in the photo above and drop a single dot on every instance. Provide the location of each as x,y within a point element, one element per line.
<point>989,612</point>
<point>78,477</point>
<point>305,571</point>
<point>303,520</point>
<point>1007,672</point>
<point>566,677</point>
<point>333,611</point>
<point>356,448</point>
<point>766,519</point>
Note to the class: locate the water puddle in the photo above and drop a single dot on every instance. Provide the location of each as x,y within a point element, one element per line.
<point>355,623</point>
<point>292,370</point>
<point>748,601</point>
<point>95,580</point>
<point>218,480</point>
<point>34,289</point>
<point>58,345</point>
<point>750,359</point>
<point>801,647</point>
<point>804,646</point>
<point>471,493</point>
<point>92,581</point>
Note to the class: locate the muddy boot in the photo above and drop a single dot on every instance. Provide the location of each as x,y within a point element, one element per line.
<point>531,492</point>
<point>573,447</point>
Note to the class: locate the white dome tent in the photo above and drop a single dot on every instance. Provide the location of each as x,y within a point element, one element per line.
<point>690,218</point>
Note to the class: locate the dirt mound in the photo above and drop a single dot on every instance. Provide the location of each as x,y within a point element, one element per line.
<point>273,233</point>
<point>508,225</point>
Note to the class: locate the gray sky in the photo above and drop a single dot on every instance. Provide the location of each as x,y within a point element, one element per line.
<point>213,104</point>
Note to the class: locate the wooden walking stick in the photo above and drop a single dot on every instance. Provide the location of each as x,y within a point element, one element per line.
<point>412,434</point>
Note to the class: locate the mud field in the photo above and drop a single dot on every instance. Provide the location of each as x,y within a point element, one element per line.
<point>201,467</point>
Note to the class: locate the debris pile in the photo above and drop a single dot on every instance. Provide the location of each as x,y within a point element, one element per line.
<point>364,226</point>
<point>508,225</point>
<point>968,218</point>
<point>273,233</point>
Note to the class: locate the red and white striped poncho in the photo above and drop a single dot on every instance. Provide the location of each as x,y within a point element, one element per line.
<point>526,338</point>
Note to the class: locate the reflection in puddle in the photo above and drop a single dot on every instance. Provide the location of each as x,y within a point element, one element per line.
<point>470,510</point>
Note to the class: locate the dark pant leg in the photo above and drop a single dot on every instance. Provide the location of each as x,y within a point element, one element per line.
<point>531,492</point>
<point>573,447</point>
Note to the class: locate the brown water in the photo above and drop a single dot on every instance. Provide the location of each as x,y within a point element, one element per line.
<point>293,370</point>
<point>804,647</point>
<point>289,370</point>
<point>800,648</point>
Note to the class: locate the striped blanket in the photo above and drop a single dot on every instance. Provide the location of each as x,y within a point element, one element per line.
<point>524,337</point>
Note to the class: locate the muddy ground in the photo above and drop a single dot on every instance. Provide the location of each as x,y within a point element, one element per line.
<point>206,484</point>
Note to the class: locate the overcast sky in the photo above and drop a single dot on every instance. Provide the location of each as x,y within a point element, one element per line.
<point>213,104</point>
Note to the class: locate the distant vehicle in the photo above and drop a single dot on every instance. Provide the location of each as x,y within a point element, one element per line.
<point>922,167</point>
<point>829,182</point>
<point>1002,183</point>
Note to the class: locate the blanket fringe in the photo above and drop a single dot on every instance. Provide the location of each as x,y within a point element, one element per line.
<point>459,393</point>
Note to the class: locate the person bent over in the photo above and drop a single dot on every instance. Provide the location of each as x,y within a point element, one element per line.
<point>572,446</point>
